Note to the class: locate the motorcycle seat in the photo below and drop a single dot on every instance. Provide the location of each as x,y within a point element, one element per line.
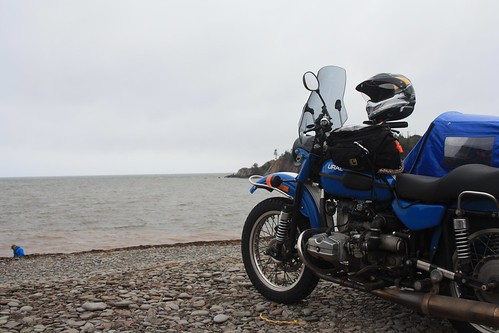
<point>427,189</point>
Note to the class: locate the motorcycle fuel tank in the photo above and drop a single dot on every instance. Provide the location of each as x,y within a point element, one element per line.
<point>355,185</point>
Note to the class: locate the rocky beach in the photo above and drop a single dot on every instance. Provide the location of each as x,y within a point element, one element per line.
<point>198,287</point>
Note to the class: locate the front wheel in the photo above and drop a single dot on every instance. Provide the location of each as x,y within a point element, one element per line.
<point>284,281</point>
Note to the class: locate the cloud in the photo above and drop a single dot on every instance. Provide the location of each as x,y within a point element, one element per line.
<point>119,87</point>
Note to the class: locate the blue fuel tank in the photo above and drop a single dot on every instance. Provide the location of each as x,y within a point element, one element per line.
<point>342,183</point>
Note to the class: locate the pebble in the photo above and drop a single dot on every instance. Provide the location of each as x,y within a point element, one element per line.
<point>89,306</point>
<point>26,308</point>
<point>199,313</point>
<point>123,304</point>
<point>183,288</point>
<point>220,318</point>
<point>260,307</point>
<point>198,304</point>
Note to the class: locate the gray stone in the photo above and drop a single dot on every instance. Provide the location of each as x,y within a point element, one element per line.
<point>39,328</point>
<point>260,307</point>
<point>216,308</point>
<point>75,323</point>
<point>12,324</point>
<point>220,318</point>
<point>123,304</point>
<point>198,304</point>
<point>26,308</point>
<point>94,306</point>
<point>88,328</point>
<point>28,321</point>
<point>171,306</point>
<point>87,315</point>
<point>107,313</point>
<point>242,313</point>
<point>200,313</point>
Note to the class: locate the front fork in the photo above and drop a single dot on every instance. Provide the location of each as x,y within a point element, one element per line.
<point>287,229</point>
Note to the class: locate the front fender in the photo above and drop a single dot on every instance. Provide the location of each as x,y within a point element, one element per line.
<point>287,187</point>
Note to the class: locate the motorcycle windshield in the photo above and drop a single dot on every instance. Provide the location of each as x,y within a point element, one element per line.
<point>332,82</point>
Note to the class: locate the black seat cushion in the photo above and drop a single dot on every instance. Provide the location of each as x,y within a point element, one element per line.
<point>470,177</point>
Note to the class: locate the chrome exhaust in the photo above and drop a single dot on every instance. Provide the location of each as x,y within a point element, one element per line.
<point>444,306</point>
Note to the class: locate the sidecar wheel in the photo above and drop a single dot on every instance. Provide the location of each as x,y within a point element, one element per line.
<point>485,261</point>
<point>286,281</point>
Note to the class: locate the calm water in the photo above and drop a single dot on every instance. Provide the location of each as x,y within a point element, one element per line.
<point>70,214</point>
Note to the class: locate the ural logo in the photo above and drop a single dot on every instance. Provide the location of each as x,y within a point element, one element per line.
<point>353,162</point>
<point>332,166</point>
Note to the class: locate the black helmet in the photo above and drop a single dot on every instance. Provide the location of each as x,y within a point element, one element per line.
<point>391,97</point>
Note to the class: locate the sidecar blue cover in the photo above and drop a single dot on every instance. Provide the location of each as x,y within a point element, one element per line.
<point>455,139</point>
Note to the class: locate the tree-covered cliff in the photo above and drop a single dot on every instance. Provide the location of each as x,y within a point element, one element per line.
<point>285,161</point>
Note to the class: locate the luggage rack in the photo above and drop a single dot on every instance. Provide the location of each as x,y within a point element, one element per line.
<point>483,195</point>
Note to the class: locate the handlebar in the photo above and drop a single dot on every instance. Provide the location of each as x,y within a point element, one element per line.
<point>393,124</point>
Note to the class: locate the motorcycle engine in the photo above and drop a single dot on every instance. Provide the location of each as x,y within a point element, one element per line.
<point>363,238</point>
<point>332,248</point>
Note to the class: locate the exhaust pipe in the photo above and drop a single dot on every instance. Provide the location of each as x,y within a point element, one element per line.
<point>444,306</point>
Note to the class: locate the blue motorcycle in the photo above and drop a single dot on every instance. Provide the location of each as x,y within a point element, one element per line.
<point>423,232</point>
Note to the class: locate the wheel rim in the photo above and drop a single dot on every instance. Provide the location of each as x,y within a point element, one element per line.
<point>276,275</point>
<point>484,245</point>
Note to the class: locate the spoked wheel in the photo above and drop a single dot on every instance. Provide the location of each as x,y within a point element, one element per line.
<point>485,262</point>
<point>284,280</point>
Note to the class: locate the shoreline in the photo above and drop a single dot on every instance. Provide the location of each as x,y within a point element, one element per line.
<point>131,248</point>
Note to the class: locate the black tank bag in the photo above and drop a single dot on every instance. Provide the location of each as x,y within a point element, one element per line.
<point>345,148</point>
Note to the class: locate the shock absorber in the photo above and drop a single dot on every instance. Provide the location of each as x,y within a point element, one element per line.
<point>275,250</point>
<point>494,243</point>
<point>282,227</point>
<point>461,233</point>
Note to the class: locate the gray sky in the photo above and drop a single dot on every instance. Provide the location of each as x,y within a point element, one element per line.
<point>140,87</point>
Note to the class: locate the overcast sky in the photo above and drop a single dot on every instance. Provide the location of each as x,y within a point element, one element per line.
<point>157,87</point>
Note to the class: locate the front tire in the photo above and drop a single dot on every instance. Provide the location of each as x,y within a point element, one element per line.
<point>284,281</point>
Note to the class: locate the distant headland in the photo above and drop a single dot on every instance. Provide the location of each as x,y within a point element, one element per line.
<point>286,163</point>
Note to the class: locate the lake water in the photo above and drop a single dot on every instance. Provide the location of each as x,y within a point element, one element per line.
<point>72,214</point>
